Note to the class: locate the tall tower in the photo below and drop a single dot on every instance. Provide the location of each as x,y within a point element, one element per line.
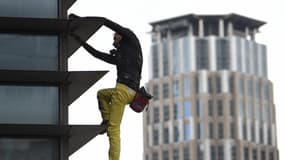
<point>36,87</point>
<point>212,97</point>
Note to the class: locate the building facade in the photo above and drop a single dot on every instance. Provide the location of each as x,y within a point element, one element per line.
<point>212,96</point>
<point>36,88</point>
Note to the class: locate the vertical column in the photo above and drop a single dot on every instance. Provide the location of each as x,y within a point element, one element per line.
<point>190,30</point>
<point>212,54</point>
<point>221,28</point>
<point>201,28</point>
<point>192,54</point>
<point>230,29</point>
<point>233,54</point>
<point>225,81</point>
<point>246,32</point>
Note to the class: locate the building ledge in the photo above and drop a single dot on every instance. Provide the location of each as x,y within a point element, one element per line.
<point>41,26</point>
<point>78,135</point>
<point>77,82</point>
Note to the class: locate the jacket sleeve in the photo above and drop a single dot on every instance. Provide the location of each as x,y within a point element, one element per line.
<point>100,55</point>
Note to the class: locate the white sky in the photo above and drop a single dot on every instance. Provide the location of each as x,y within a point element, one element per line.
<point>136,15</point>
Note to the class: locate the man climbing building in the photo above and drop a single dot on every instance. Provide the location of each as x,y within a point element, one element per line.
<point>127,56</point>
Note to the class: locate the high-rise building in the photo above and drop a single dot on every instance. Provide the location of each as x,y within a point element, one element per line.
<point>36,88</point>
<point>212,96</point>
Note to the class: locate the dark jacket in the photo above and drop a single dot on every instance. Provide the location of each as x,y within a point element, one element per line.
<point>127,57</point>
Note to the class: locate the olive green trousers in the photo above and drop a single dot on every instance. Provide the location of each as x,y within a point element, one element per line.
<point>112,104</point>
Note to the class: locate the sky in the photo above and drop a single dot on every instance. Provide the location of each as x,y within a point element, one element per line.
<point>136,15</point>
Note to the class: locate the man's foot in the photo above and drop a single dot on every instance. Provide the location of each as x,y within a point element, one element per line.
<point>104,124</point>
<point>73,16</point>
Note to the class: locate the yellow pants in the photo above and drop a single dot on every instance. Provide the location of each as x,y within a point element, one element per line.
<point>112,103</point>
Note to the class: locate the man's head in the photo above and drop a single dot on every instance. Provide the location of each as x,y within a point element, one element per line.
<point>117,40</point>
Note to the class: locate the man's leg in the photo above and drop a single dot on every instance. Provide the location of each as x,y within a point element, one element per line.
<point>120,98</point>
<point>104,102</point>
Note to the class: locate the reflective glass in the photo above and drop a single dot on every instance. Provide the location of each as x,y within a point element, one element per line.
<point>177,110</point>
<point>187,109</point>
<point>165,90</point>
<point>202,51</point>
<point>186,54</point>
<point>255,58</point>
<point>264,60</point>
<point>187,132</point>
<point>28,52</point>
<point>29,8</point>
<point>199,108</point>
<point>175,57</point>
<point>28,149</point>
<point>155,61</point>
<point>29,104</point>
<point>165,58</point>
<point>176,89</point>
<point>186,86</point>
<point>247,57</point>
<point>239,54</point>
<point>223,54</point>
<point>176,133</point>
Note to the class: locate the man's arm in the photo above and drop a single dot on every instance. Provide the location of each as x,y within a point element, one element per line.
<point>101,55</point>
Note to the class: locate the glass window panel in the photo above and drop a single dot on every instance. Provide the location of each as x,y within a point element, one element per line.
<point>165,155</point>
<point>255,58</point>
<point>221,130</point>
<point>177,110</point>
<point>202,57</point>
<point>186,86</point>
<point>176,134</point>
<point>28,52</point>
<point>29,104</point>
<point>234,152</point>
<point>211,130</point>
<point>246,153</point>
<point>156,115</point>
<point>176,153</point>
<point>200,151</point>
<point>175,57</point>
<point>249,87</point>
<point>165,90</point>
<point>165,135</point>
<point>186,153</point>
<point>187,132</point>
<point>247,57</point>
<point>165,58</point>
<point>29,8</point>
<point>155,137</point>
<point>213,152</point>
<point>155,61</point>
<point>176,88</point>
<point>155,155</point>
<point>223,54</point>
<point>239,54</point>
<point>264,60</point>
<point>210,108</point>
<point>199,108</point>
<point>187,108</point>
<point>233,130</point>
<point>166,112</point>
<point>221,152</point>
<point>28,149</point>
<point>155,92</point>
<point>200,130</point>
<point>186,54</point>
<point>220,107</point>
